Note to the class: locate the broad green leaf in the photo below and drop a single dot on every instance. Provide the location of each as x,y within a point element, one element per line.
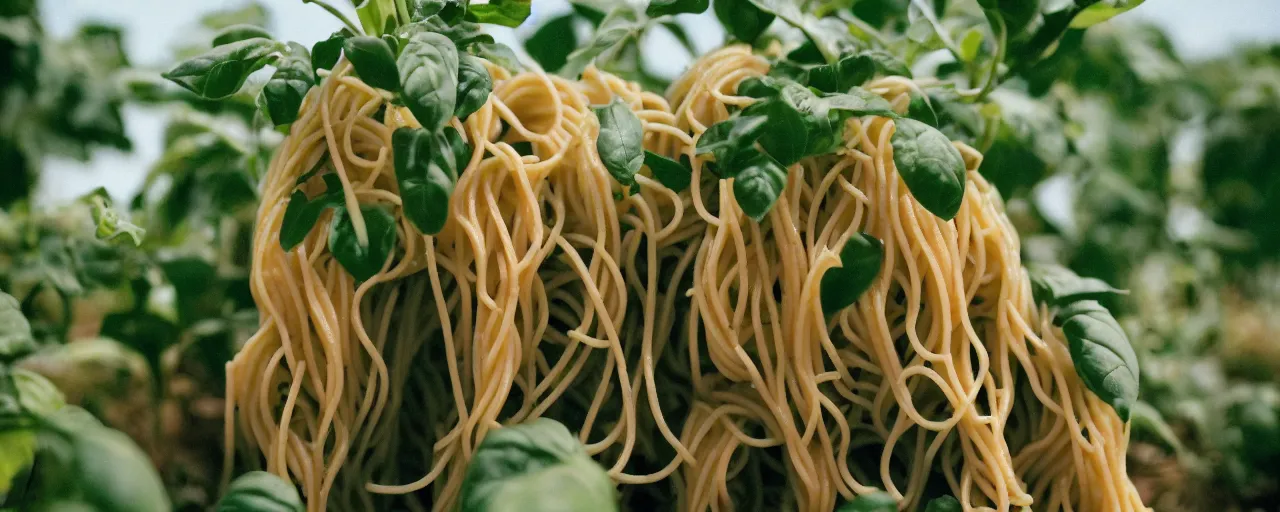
<point>221,71</point>
<point>921,109</point>
<point>508,13</point>
<point>888,63</point>
<point>858,102</point>
<point>616,28</point>
<point>551,43</point>
<point>302,213</point>
<point>757,183</point>
<point>239,32</point>
<point>620,142</point>
<point>259,491</point>
<point>931,167</point>
<point>15,331</point>
<point>374,60</point>
<point>878,501</point>
<point>850,71</point>
<point>742,19</point>
<point>363,261</point>
<point>429,78</point>
<point>325,54</point>
<point>252,13</point>
<point>727,139</point>
<point>500,54</point>
<point>474,85</point>
<point>944,504</point>
<point>35,395</point>
<point>1103,11</point>
<point>515,467</point>
<point>283,94</point>
<point>1101,353</point>
<point>113,474</point>
<point>860,262</point>
<point>785,135</point>
<point>426,171</point>
<point>672,174</point>
<point>663,7</point>
<point>377,17</point>
<point>1056,285</point>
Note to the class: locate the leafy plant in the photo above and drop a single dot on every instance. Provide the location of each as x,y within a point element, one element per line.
<point>535,466</point>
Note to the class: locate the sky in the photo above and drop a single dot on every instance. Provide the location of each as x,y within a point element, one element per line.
<point>1199,29</point>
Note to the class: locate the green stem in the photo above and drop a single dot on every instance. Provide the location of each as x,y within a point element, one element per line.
<point>932,18</point>
<point>337,14</point>
<point>402,11</point>
<point>864,27</point>
<point>993,77</point>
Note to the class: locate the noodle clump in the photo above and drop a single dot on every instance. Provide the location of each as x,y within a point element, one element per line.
<point>683,342</point>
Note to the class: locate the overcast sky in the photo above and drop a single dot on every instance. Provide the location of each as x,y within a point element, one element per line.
<point>1199,29</point>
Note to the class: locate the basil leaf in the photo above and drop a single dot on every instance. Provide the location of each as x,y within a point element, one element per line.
<point>761,87</point>
<point>931,167</point>
<point>921,109</point>
<point>221,72</point>
<point>239,32</point>
<point>850,71</point>
<point>499,54</point>
<point>325,54</point>
<point>474,85</point>
<point>285,91</point>
<point>619,26</point>
<point>426,170</point>
<point>1101,353</point>
<point>1056,285</point>
<point>742,19</point>
<point>728,138</point>
<point>943,504</point>
<point>860,262</point>
<point>112,473</point>
<point>15,332</point>
<point>620,142</point>
<point>301,214</point>
<point>537,466</point>
<point>362,261</point>
<point>785,136</point>
<point>859,102</point>
<point>429,78</point>
<point>878,501</point>
<point>551,43</point>
<point>672,174</point>
<point>508,13</point>
<point>259,491</point>
<point>888,63</point>
<point>663,7</point>
<point>1102,11</point>
<point>374,61</point>
<point>757,184</point>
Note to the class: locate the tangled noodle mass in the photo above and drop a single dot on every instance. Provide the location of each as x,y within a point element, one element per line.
<point>683,342</point>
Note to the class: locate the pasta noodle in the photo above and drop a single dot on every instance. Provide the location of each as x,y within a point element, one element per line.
<point>684,342</point>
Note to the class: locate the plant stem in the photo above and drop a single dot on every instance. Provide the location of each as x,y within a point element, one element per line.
<point>932,18</point>
<point>337,14</point>
<point>1002,41</point>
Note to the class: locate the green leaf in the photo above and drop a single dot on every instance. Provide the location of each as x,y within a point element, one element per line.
<point>239,32</point>
<point>970,44</point>
<point>860,262</point>
<point>742,19</point>
<point>427,168</point>
<point>374,61</point>
<point>33,394</point>
<point>888,63</point>
<point>921,109</point>
<point>113,474</point>
<point>283,94</point>
<point>325,54</point>
<point>850,71</point>
<point>663,7</point>
<point>551,43</point>
<point>858,102</point>
<point>377,17</point>
<point>1056,285</point>
<point>877,501</point>
<point>1103,11</point>
<point>508,13</point>
<point>15,331</point>
<point>302,214</point>
<point>429,78</point>
<point>943,504</point>
<point>1101,353</point>
<point>757,184</point>
<point>619,26</point>
<point>474,85</point>
<point>221,71</point>
<point>259,491</point>
<point>620,142</point>
<point>728,138</point>
<point>515,467</point>
<point>499,54</point>
<point>253,13</point>
<point>108,224</point>
<point>363,261</point>
<point>785,134</point>
<point>672,174</point>
<point>931,167</point>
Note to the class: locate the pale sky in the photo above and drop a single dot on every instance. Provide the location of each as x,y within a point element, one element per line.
<point>1199,29</point>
